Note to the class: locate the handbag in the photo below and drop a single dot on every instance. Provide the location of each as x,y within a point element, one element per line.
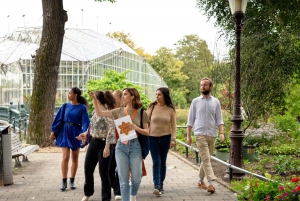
<point>61,123</point>
<point>144,139</point>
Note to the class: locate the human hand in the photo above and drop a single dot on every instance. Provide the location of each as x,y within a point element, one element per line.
<point>52,136</point>
<point>92,94</point>
<point>188,140</point>
<point>172,144</point>
<point>222,137</point>
<point>82,137</point>
<point>132,126</point>
<point>106,151</point>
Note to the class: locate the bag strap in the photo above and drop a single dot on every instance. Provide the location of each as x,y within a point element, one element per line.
<point>141,123</point>
<point>151,115</point>
<point>64,110</point>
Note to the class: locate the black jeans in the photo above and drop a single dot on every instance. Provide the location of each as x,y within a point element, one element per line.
<point>113,175</point>
<point>93,156</point>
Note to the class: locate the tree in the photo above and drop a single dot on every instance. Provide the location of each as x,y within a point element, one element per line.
<point>113,80</point>
<point>196,58</point>
<point>47,61</point>
<point>169,68</point>
<point>270,50</point>
<point>126,38</point>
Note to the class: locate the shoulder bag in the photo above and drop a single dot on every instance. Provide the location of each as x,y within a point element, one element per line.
<point>61,123</point>
<point>144,139</point>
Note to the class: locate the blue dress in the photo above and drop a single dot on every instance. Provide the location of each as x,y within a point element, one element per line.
<point>76,114</point>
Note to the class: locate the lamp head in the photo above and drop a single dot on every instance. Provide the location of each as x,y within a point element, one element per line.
<point>238,5</point>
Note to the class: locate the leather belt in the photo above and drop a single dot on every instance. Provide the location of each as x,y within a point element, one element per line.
<point>100,138</point>
<point>72,124</point>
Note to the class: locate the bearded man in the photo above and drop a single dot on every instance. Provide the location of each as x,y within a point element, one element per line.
<point>205,117</point>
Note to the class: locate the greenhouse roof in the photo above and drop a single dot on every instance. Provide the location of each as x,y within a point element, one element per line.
<point>78,45</point>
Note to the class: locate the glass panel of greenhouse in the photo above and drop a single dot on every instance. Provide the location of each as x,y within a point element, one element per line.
<point>85,55</point>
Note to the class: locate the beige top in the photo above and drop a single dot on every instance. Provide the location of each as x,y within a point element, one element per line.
<point>119,112</point>
<point>163,121</point>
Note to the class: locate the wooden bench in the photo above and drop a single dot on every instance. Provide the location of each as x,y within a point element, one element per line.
<point>18,149</point>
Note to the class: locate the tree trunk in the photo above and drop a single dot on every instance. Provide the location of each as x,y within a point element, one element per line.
<point>47,62</point>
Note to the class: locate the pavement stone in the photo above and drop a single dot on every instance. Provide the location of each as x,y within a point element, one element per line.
<point>40,180</point>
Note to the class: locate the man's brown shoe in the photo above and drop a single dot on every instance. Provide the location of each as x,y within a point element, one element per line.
<point>202,185</point>
<point>211,189</point>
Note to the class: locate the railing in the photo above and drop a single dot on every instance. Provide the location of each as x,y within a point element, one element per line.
<point>230,167</point>
<point>18,119</point>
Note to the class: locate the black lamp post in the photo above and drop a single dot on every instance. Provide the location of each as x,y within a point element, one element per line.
<point>238,8</point>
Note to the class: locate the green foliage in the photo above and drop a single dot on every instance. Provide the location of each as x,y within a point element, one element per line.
<point>293,99</point>
<point>270,53</point>
<point>113,80</point>
<point>223,145</point>
<point>253,140</point>
<point>178,98</point>
<point>58,102</point>
<point>196,58</point>
<point>169,67</point>
<point>181,116</point>
<point>257,190</point>
<point>286,123</point>
<point>281,148</point>
<point>285,164</point>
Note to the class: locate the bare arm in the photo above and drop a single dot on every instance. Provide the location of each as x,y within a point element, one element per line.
<point>143,131</point>
<point>189,131</point>
<point>221,132</point>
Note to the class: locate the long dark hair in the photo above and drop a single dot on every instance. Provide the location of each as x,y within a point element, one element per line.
<point>106,98</point>
<point>136,101</point>
<point>166,93</point>
<point>80,99</point>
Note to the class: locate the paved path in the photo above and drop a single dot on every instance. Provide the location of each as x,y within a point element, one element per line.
<point>40,180</point>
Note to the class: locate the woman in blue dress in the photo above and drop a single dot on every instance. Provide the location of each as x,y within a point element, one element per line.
<point>75,121</point>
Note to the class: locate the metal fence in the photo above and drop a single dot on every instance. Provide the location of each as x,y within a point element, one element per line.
<point>230,167</point>
<point>18,119</point>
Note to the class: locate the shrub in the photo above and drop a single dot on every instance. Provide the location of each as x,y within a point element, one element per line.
<point>257,190</point>
<point>287,123</point>
<point>181,116</point>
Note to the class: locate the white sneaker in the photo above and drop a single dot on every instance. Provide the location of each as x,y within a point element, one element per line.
<point>132,198</point>
<point>118,197</point>
<point>85,198</point>
<point>156,192</point>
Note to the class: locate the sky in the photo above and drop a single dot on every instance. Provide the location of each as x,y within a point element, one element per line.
<point>151,23</point>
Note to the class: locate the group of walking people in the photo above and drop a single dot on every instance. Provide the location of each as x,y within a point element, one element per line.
<point>104,145</point>
<point>112,155</point>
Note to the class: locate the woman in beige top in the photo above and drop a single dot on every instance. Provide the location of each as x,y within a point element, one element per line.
<point>162,133</point>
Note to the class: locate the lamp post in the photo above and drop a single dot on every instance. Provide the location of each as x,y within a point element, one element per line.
<point>238,8</point>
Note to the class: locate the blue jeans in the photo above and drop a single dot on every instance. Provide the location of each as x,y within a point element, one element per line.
<point>129,156</point>
<point>159,148</point>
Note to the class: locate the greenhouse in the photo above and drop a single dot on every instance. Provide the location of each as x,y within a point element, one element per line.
<point>85,55</point>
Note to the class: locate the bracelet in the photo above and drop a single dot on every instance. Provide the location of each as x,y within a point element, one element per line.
<point>221,133</point>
